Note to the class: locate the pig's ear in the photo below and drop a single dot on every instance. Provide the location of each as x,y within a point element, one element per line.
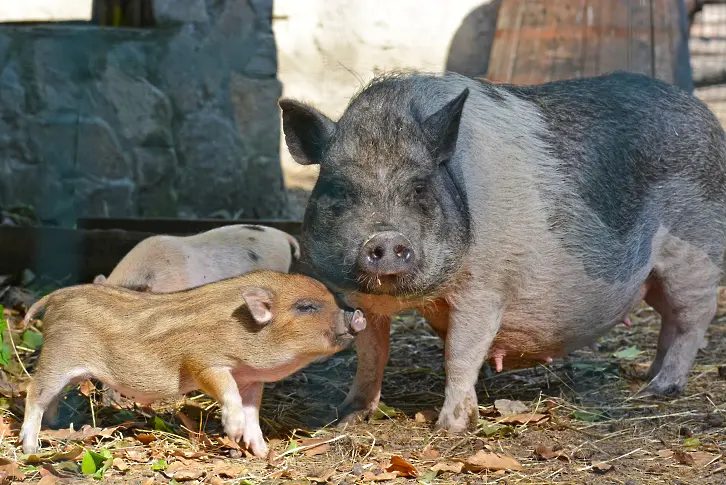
<point>307,131</point>
<point>259,303</point>
<point>442,128</point>
<point>99,279</point>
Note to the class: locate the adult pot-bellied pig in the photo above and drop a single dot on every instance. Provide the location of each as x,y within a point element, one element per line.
<point>226,338</point>
<point>523,222</point>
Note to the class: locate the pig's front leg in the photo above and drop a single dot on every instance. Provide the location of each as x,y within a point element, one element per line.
<point>372,346</point>
<point>251,401</point>
<point>220,384</point>
<point>474,322</point>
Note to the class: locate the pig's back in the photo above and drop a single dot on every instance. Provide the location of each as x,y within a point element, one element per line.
<point>239,249</point>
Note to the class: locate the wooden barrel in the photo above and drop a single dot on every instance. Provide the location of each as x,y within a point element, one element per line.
<point>538,41</point>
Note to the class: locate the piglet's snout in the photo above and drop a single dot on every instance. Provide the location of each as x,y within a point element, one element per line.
<point>355,321</point>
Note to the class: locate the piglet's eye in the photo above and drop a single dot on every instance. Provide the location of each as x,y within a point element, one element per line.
<point>306,308</point>
<point>419,190</point>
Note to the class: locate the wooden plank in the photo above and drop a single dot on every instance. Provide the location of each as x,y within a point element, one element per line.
<point>566,58</point>
<point>67,255</point>
<point>640,47</point>
<point>542,40</point>
<point>663,13</point>
<point>180,226</point>
<point>592,37</point>
<point>504,47</point>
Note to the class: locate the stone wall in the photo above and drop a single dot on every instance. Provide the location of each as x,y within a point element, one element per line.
<point>179,120</point>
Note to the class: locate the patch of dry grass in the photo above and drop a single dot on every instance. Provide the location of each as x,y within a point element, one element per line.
<point>595,430</point>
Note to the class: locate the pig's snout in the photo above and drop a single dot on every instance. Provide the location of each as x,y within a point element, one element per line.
<point>356,321</point>
<point>387,253</point>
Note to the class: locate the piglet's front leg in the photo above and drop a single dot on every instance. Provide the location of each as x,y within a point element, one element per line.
<point>219,383</point>
<point>474,322</point>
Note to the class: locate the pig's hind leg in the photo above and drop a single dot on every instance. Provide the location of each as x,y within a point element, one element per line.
<point>42,396</point>
<point>683,290</point>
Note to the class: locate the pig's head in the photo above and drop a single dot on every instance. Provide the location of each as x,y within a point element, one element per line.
<point>387,214</point>
<point>300,315</point>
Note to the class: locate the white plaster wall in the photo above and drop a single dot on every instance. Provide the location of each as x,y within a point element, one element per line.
<point>328,48</point>
<point>43,10</point>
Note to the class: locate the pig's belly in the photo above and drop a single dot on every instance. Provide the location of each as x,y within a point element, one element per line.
<point>532,335</point>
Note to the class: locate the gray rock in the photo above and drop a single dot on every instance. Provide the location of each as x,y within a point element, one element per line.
<point>256,112</point>
<point>12,92</point>
<point>144,112</point>
<point>157,171</point>
<point>213,165</point>
<point>179,11</point>
<point>263,63</point>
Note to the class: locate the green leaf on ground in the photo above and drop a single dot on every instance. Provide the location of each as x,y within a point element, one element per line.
<point>159,465</point>
<point>32,340</point>
<point>628,353</point>
<point>384,411</point>
<point>588,416</point>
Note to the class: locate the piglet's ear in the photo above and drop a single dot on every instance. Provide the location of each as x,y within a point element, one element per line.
<point>442,128</point>
<point>99,279</point>
<point>259,303</point>
<point>307,131</point>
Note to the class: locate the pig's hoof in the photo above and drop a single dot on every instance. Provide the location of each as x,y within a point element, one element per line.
<point>234,424</point>
<point>461,418</point>
<point>256,444</point>
<point>351,417</point>
<point>30,445</point>
<point>662,386</point>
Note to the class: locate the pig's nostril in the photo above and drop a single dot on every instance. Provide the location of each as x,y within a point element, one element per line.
<point>403,252</point>
<point>376,253</point>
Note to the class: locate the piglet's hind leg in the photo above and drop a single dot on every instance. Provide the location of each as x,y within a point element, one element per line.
<point>42,395</point>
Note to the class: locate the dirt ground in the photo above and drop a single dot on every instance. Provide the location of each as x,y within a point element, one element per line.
<point>582,424</point>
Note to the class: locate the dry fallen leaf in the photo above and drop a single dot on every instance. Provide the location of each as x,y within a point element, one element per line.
<point>226,442</point>
<point>701,458</point>
<point>448,467</point>
<point>120,465</point>
<point>602,467</point>
<point>13,471</point>
<point>509,408</point>
<point>73,454</point>
<point>83,434</point>
<point>427,416</point>
<point>372,477</point>
<point>683,458</point>
<point>315,450</point>
<point>8,427</point>
<point>48,480</point>
<point>322,478</point>
<point>86,387</point>
<point>546,453</point>
<point>273,459</point>
<point>484,460</point>
<point>665,453</point>
<point>188,423</point>
<point>145,438</point>
<point>148,481</point>
<point>429,453</point>
<point>526,418</point>
<point>138,456</point>
<point>216,481</point>
<point>227,470</point>
<point>402,467</point>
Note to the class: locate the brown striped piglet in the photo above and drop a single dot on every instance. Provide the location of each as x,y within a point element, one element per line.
<point>226,339</point>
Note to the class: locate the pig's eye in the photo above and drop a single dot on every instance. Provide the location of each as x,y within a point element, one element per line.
<point>419,190</point>
<point>306,307</point>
